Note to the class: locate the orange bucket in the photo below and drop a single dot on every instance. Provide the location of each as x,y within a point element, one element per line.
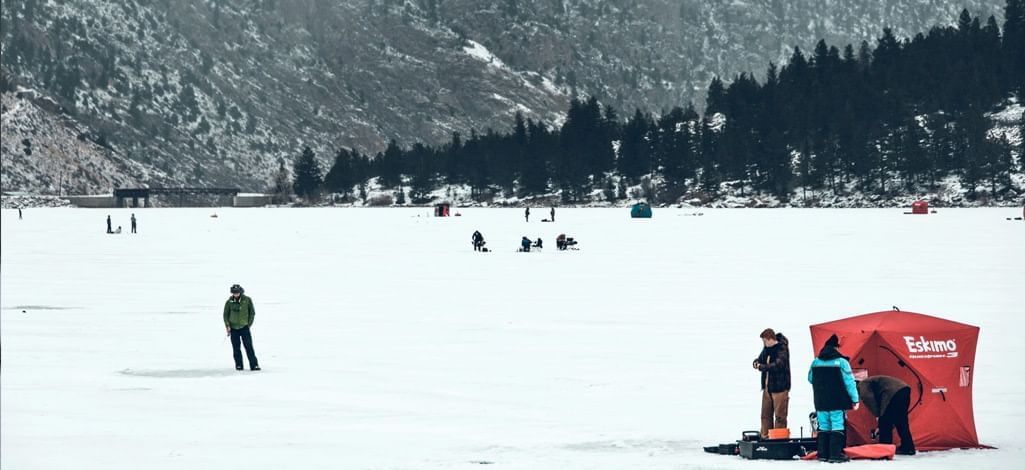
<point>779,433</point>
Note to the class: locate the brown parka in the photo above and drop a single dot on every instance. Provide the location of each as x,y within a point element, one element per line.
<point>877,391</point>
<point>774,363</point>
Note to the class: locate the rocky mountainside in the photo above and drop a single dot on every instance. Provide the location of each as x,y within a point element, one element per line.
<point>48,152</point>
<point>218,92</point>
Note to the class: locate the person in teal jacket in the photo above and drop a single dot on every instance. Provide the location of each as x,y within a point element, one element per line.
<point>835,392</point>
<point>238,317</point>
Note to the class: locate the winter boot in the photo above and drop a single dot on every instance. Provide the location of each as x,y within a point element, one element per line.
<point>906,450</point>
<point>837,442</point>
<point>822,446</point>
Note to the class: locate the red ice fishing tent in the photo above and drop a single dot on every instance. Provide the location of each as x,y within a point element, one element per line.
<point>920,207</point>
<point>936,357</point>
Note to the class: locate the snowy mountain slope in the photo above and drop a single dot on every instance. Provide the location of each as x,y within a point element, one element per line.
<point>659,53</point>
<point>43,150</point>
<point>219,91</point>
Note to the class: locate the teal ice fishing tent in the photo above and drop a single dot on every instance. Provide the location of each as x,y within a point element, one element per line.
<point>640,210</point>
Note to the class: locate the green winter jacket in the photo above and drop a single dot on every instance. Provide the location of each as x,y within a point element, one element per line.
<point>239,313</point>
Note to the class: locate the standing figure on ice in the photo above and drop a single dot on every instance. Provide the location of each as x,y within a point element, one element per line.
<point>835,392</point>
<point>478,240</point>
<point>526,214</point>
<point>553,213</point>
<point>133,223</point>
<point>109,228</point>
<point>774,364</point>
<point>888,399</point>
<point>238,317</point>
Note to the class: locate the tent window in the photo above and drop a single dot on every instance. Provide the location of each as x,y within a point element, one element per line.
<point>966,376</point>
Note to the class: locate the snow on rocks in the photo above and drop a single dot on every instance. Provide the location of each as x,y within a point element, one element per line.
<point>25,200</point>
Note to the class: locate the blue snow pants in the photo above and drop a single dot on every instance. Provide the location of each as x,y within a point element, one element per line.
<point>830,420</point>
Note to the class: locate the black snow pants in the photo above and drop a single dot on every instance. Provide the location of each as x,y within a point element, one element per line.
<point>243,336</point>
<point>896,415</point>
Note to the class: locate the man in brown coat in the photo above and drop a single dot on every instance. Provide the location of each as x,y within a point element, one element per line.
<point>774,364</point>
<point>888,398</point>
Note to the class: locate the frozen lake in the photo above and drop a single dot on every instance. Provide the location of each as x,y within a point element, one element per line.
<point>387,343</point>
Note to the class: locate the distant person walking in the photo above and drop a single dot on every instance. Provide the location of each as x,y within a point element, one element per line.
<point>238,317</point>
<point>19,213</point>
<point>553,213</point>
<point>526,214</point>
<point>109,228</point>
<point>133,223</point>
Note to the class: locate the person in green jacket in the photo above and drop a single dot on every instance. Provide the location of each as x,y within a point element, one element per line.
<point>238,317</point>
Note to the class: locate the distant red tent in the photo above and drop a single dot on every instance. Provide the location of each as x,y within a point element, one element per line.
<point>936,357</point>
<point>920,207</point>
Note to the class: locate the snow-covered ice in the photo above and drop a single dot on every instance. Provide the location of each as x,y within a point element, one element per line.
<point>387,343</point>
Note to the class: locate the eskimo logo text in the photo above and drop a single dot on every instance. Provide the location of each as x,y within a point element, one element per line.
<point>922,348</point>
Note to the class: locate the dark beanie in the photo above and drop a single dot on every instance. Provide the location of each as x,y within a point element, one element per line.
<point>833,342</point>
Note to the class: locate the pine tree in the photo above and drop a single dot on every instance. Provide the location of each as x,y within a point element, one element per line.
<point>971,147</point>
<point>674,151</point>
<point>540,146</point>
<point>999,164</point>
<point>452,155</point>
<point>575,135</point>
<point>478,153</point>
<point>281,186</point>
<point>716,100</point>
<point>1014,46</point>
<point>342,175</point>
<point>942,148</point>
<point>603,128</point>
<point>422,181</point>
<point>308,180</point>
<point>804,167</point>
<point>913,159</point>
<point>711,152</point>
<point>635,147</point>
<point>1021,140</point>
<point>390,165</point>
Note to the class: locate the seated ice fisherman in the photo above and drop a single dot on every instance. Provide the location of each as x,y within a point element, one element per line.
<point>538,244</point>
<point>525,244</point>
<point>478,240</point>
<point>118,229</point>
